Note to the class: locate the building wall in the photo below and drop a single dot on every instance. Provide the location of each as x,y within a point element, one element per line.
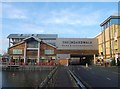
<point>20,46</point>
<point>32,53</point>
<point>118,29</point>
<point>44,47</point>
<point>78,52</point>
<point>111,44</point>
<point>100,43</point>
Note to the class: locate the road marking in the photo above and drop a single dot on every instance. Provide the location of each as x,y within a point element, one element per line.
<point>108,78</point>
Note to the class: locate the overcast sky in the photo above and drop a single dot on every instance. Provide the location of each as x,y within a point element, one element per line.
<point>67,19</point>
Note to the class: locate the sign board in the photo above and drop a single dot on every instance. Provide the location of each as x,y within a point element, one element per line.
<point>76,43</point>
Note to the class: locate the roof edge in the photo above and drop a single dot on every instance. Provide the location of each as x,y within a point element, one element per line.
<point>109,18</point>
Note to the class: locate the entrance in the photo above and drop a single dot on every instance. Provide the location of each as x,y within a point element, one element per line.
<point>17,60</point>
<point>83,59</point>
<point>31,60</point>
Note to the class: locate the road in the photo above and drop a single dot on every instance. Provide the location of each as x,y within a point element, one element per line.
<point>97,76</point>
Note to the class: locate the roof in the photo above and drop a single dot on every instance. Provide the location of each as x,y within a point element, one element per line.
<point>114,16</point>
<point>37,39</point>
<point>44,36</point>
<point>49,44</point>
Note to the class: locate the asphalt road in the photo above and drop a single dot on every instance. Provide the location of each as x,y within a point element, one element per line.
<point>98,77</point>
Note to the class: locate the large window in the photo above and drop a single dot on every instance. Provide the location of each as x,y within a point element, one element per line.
<point>49,51</point>
<point>32,44</point>
<point>17,51</point>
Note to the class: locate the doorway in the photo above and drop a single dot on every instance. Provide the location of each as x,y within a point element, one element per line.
<point>83,59</point>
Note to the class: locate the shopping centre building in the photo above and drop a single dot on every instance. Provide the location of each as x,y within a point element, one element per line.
<point>36,48</point>
<point>109,39</point>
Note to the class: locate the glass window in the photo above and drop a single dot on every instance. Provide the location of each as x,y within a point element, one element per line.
<point>17,51</point>
<point>32,44</point>
<point>49,51</point>
<point>115,21</point>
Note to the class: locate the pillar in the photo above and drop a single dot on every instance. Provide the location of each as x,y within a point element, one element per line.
<point>25,52</point>
<point>38,52</point>
<point>94,59</point>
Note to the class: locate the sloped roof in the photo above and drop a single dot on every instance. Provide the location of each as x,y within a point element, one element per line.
<point>35,35</point>
<point>37,39</point>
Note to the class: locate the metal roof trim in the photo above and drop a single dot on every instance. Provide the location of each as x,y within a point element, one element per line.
<point>109,18</point>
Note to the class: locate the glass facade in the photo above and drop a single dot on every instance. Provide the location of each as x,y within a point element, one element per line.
<point>111,22</point>
<point>115,21</point>
<point>32,44</point>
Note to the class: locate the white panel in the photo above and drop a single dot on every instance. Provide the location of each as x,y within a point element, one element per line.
<point>63,56</point>
<point>77,43</point>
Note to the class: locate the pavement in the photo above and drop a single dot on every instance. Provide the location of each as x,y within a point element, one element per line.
<point>98,77</point>
<point>63,78</point>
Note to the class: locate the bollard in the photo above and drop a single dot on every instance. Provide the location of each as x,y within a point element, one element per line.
<point>86,65</point>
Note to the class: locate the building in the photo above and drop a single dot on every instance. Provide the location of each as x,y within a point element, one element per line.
<point>109,39</point>
<point>78,50</point>
<point>32,50</point>
<point>36,48</point>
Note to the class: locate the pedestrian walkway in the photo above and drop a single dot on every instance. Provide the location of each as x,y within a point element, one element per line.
<point>63,79</point>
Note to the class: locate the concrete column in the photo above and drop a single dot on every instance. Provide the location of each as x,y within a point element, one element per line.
<point>38,52</point>
<point>94,60</point>
<point>25,52</point>
<point>104,43</point>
